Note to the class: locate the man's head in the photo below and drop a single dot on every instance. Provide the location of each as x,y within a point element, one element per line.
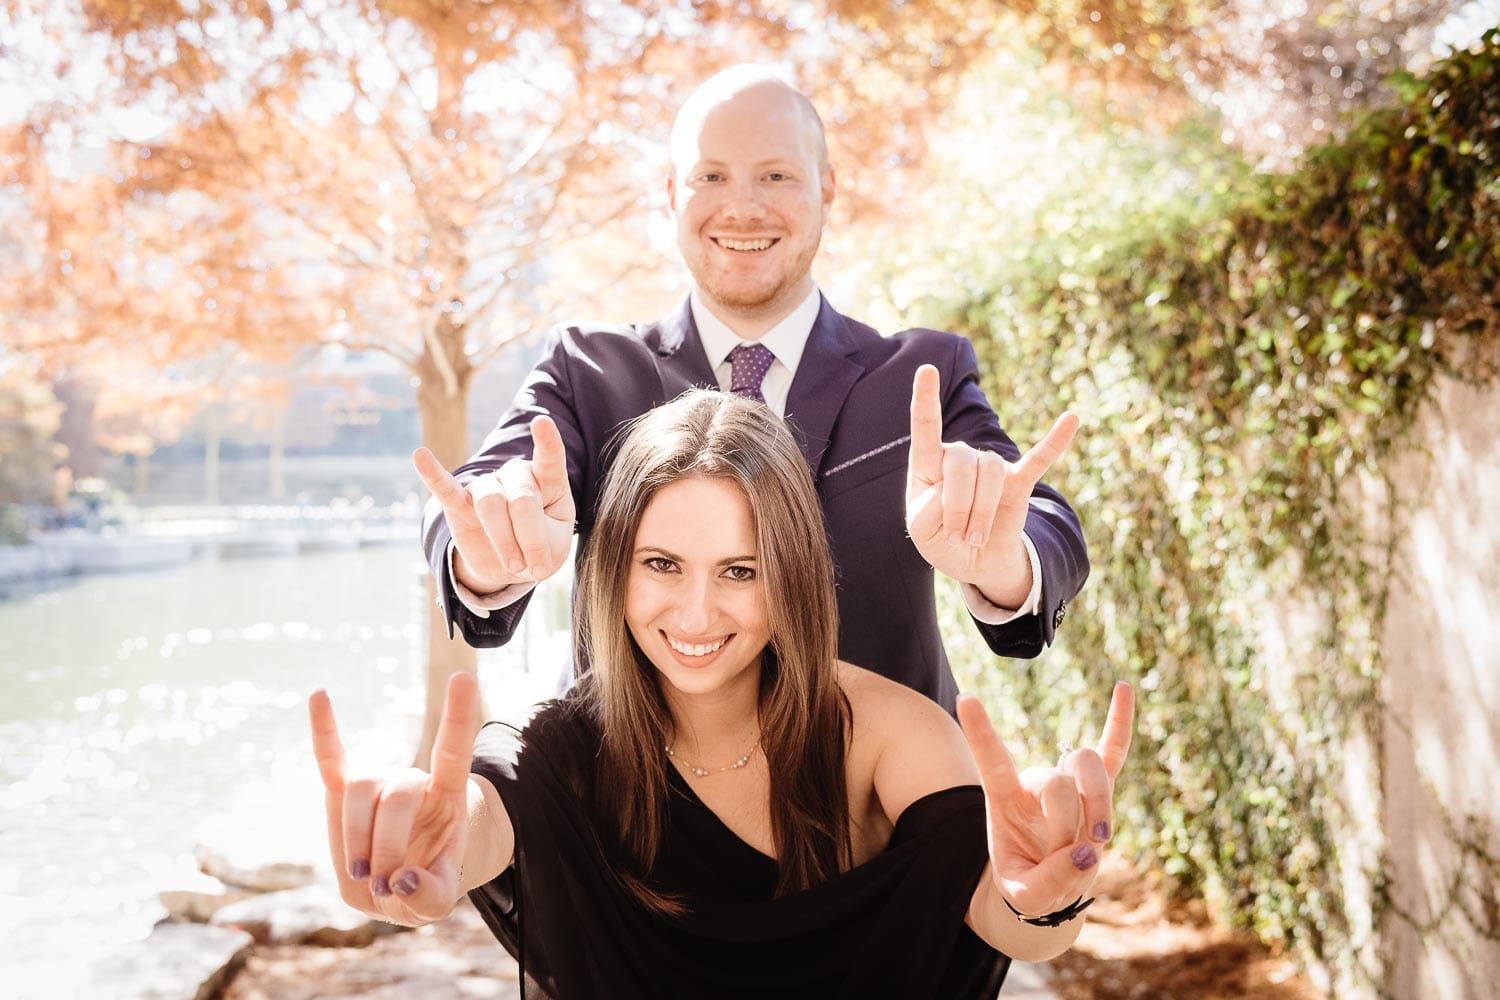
<point>750,190</point>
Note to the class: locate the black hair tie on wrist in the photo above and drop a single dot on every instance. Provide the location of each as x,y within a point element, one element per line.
<point>1055,919</point>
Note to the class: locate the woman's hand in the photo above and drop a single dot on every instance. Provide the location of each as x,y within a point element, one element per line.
<point>1048,825</point>
<point>398,843</point>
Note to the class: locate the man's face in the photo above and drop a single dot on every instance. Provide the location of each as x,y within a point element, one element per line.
<point>750,194</point>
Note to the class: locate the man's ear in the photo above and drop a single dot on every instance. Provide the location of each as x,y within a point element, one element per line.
<point>828,188</point>
<point>672,191</point>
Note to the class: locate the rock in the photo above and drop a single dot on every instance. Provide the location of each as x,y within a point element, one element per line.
<point>247,864</point>
<point>176,962</point>
<point>312,915</point>
<point>195,896</point>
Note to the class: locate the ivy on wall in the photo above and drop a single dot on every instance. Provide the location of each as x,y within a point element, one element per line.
<point>1242,382</point>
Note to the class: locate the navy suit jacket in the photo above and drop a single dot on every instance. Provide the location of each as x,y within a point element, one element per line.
<point>849,410</point>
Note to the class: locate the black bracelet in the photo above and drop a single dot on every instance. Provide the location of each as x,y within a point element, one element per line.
<point>1056,919</point>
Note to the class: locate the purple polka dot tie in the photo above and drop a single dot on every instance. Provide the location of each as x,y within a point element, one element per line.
<point>748,365</point>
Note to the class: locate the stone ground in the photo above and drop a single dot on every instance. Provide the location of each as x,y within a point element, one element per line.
<point>1136,945</point>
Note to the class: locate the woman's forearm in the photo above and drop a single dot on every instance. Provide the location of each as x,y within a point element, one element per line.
<point>491,838</point>
<point>1007,933</point>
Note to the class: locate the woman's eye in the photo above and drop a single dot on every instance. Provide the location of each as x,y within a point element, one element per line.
<point>742,574</point>
<point>657,564</point>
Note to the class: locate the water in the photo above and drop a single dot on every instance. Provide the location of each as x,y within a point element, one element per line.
<point>139,712</point>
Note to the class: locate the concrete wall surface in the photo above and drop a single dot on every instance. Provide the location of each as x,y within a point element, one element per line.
<point>1441,720</point>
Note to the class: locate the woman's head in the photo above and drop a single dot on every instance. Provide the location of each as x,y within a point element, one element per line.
<point>714,486</point>
<point>709,482</point>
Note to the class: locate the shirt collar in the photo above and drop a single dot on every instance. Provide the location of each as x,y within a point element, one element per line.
<point>785,340</point>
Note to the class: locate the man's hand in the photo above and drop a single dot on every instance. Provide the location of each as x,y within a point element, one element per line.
<point>511,526</point>
<point>398,844</point>
<point>1047,826</point>
<point>965,508</point>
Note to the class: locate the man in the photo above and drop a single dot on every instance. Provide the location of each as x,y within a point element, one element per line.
<point>750,191</point>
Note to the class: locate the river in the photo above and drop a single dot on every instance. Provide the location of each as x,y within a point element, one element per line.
<point>140,712</point>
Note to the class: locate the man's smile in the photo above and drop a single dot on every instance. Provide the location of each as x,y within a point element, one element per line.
<point>744,246</point>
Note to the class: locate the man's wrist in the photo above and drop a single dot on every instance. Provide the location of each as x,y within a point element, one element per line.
<point>463,575</point>
<point>1001,612</point>
<point>1009,589</point>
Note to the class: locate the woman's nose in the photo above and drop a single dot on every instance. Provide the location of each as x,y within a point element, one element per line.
<point>696,612</point>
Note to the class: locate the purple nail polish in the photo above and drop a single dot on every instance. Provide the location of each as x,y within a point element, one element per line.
<point>406,884</point>
<point>382,885</point>
<point>1101,830</point>
<point>360,869</point>
<point>1084,857</point>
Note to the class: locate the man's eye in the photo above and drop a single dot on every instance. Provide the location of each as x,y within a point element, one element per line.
<point>710,178</point>
<point>778,176</point>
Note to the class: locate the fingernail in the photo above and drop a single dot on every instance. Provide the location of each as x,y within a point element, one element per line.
<point>1084,857</point>
<point>976,538</point>
<point>406,884</point>
<point>955,539</point>
<point>515,567</point>
<point>382,885</point>
<point>1101,830</point>
<point>360,869</point>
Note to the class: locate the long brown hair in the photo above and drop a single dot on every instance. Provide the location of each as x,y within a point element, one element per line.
<point>803,713</point>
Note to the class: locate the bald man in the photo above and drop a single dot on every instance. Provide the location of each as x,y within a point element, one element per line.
<point>905,489</point>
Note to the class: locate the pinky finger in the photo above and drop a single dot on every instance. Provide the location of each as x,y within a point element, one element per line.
<point>430,893</point>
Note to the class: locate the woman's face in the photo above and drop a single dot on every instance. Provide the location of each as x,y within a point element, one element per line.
<point>694,600</point>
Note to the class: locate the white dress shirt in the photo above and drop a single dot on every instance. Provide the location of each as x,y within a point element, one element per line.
<point>785,341</point>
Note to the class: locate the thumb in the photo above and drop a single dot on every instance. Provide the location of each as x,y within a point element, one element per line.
<point>429,892</point>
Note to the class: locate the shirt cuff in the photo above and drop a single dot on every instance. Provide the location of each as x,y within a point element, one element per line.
<point>482,604</point>
<point>990,613</point>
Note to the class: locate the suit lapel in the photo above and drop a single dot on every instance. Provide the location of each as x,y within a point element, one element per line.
<point>675,340</point>
<point>825,374</point>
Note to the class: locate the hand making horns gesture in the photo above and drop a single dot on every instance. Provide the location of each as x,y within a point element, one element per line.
<point>965,507</point>
<point>1047,825</point>
<point>514,525</point>
<point>398,844</point>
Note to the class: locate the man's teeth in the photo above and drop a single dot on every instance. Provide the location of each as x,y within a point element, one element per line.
<point>701,649</point>
<point>745,244</point>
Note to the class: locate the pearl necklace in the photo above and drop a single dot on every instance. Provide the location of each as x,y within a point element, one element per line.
<point>703,772</point>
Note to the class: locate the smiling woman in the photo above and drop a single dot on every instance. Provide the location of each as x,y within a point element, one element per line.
<point>721,807</point>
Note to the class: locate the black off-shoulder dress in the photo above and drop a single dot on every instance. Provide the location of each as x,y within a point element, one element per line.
<point>892,927</point>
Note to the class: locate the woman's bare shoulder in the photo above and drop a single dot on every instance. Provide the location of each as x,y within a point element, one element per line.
<point>914,746</point>
<point>874,698</point>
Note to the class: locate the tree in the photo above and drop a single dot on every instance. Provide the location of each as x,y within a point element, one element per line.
<point>236,181</point>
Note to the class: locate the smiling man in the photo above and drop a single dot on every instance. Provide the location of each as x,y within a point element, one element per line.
<point>904,489</point>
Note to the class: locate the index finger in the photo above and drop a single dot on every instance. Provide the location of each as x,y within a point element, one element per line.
<point>453,747</point>
<point>1114,744</point>
<point>926,462</point>
<point>997,770</point>
<point>549,459</point>
<point>448,490</point>
<point>328,749</point>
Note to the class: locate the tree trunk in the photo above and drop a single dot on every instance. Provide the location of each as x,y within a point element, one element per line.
<point>443,407</point>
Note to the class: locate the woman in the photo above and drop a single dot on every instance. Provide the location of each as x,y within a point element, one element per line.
<point>721,807</point>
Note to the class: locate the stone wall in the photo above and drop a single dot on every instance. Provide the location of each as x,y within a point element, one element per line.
<point>1440,931</point>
